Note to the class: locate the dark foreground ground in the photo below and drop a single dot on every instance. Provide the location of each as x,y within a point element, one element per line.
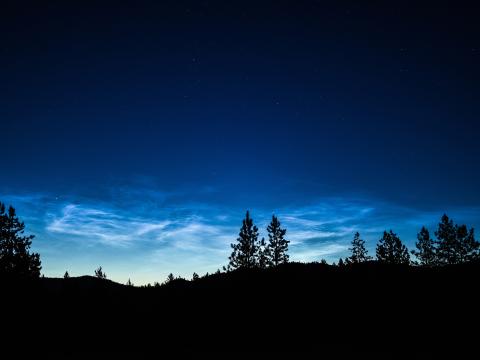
<point>402,312</point>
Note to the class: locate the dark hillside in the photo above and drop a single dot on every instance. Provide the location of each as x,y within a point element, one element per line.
<point>291,307</point>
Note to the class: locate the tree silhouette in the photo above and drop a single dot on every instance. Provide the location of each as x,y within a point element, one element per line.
<point>469,247</point>
<point>455,243</point>
<point>277,244</point>
<point>245,251</point>
<point>129,283</point>
<point>391,250</point>
<point>195,276</point>
<point>359,252</point>
<point>100,274</point>
<point>15,257</point>
<point>447,247</point>
<point>340,262</point>
<point>426,251</point>
<point>170,278</point>
<point>66,275</point>
<point>264,255</point>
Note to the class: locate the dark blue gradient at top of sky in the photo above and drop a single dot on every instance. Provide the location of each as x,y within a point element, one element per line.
<point>274,102</point>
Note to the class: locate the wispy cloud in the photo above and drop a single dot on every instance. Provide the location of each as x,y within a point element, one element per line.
<point>179,232</point>
<point>91,224</point>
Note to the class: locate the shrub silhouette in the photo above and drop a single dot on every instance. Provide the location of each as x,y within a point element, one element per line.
<point>100,274</point>
<point>170,278</point>
<point>15,257</point>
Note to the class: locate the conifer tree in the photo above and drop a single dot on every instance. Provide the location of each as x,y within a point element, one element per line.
<point>340,262</point>
<point>129,283</point>
<point>277,244</point>
<point>359,252</point>
<point>195,276</point>
<point>15,257</point>
<point>391,250</point>
<point>245,251</point>
<point>426,251</point>
<point>66,275</point>
<point>468,246</point>
<point>447,246</point>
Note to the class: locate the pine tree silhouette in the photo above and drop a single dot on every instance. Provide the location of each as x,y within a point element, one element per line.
<point>170,278</point>
<point>129,283</point>
<point>15,257</point>
<point>468,246</point>
<point>277,244</point>
<point>245,251</point>
<point>359,252</point>
<point>447,247</point>
<point>66,275</point>
<point>195,276</point>
<point>426,251</point>
<point>390,250</point>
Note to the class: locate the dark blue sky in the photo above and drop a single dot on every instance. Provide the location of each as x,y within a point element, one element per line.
<point>276,107</point>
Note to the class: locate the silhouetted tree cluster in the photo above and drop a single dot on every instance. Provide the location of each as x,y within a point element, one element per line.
<point>15,257</point>
<point>455,244</point>
<point>249,252</point>
<point>391,250</point>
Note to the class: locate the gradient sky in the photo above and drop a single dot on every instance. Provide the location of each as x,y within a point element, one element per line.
<point>136,137</point>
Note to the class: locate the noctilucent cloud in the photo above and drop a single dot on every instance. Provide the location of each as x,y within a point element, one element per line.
<point>136,137</point>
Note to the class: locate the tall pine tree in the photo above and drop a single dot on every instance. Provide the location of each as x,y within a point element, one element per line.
<point>15,257</point>
<point>359,252</point>
<point>447,246</point>
<point>245,251</point>
<point>426,251</point>
<point>390,249</point>
<point>277,244</point>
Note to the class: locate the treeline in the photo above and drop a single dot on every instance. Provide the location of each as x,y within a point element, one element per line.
<point>453,244</point>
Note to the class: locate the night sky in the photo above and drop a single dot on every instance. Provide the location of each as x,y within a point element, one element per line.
<point>136,136</point>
